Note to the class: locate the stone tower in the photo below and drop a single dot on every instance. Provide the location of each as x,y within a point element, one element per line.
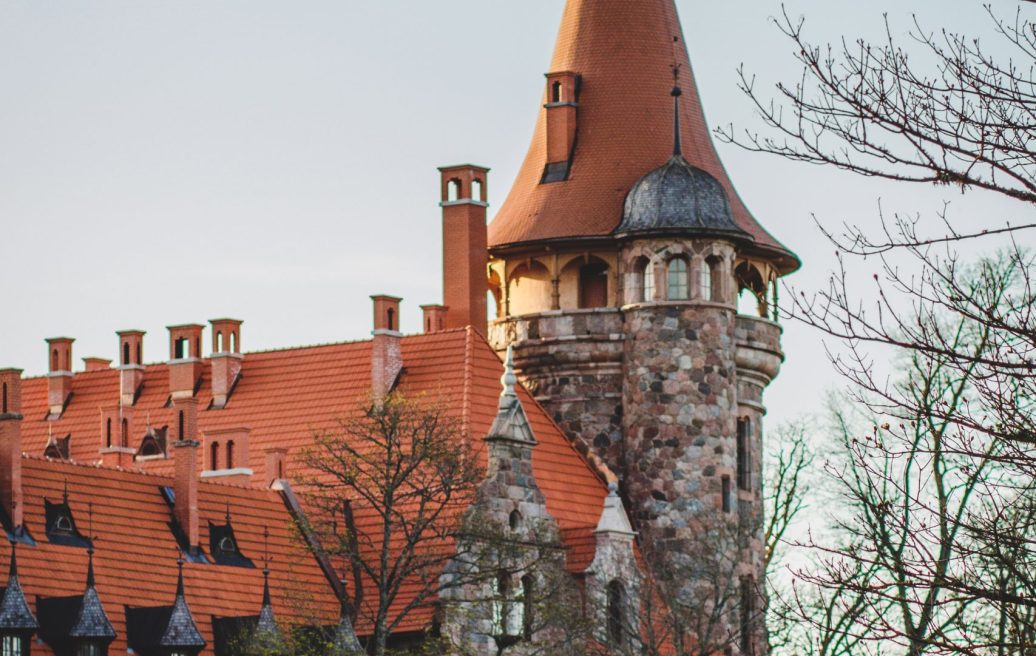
<point>618,264</point>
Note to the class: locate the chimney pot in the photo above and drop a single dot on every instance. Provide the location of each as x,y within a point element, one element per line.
<point>131,365</point>
<point>434,318</point>
<point>276,465</point>
<point>11,443</point>
<point>464,242</point>
<point>59,378</point>
<point>184,359</point>
<point>226,359</point>
<point>97,364</point>
<point>386,347</point>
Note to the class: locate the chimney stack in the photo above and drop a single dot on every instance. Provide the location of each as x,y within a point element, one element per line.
<point>562,108</point>
<point>464,250</point>
<point>131,365</point>
<point>185,481</point>
<point>386,348</point>
<point>434,318</point>
<point>11,444</point>
<point>59,376</point>
<point>226,359</point>
<point>276,465</point>
<point>97,364</point>
<point>184,359</point>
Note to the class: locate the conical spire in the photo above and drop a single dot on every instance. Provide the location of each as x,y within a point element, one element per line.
<point>345,641</point>
<point>15,614</point>
<point>92,622</point>
<point>624,53</point>
<point>511,423</point>
<point>614,519</point>
<point>181,630</point>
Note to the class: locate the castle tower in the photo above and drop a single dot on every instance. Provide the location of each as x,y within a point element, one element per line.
<point>617,263</point>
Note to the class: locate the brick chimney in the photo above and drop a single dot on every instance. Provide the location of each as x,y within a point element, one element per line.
<point>225,455</point>
<point>386,348</point>
<point>97,364</point>
<point>131,365</point>
<point>11,443</point>
<point>185,481</point>
<point>562,108</point>
<point>185,364</point>
<point>226,359</point>
<point>434,318</point>
<point>276,465</point>
<point>464,251</point>
<point>59,376</point>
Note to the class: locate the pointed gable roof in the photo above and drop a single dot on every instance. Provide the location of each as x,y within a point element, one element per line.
<point>92,622</point>
<point>624,53</point>
<point>181,631</point>
<point>15,614</point>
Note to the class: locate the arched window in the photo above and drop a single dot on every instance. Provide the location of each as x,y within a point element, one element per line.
<point>125,353</point>
<point>180,348</point>
<point>233,342</point>
<point>4,405</point>
<point>140,359</point>
<point>647,282</point>
<point>515,520</point>
<point>108,432</point>
<point>230,454</point>
<point>476,190</point>
<point>725,491</point>
<point>180,434</point>
<point>555,92</point>
<point>593,285</point>
<point>390,315</point>
<point>677,280</point>
<point>705,282</point>
<point>124,435</point>
<point>616,614</point>
<point>54,360</point>
<point>219,342</point>
<point>526,606</point>
<point>214,456</point>
<point>508,608</point>
<point>280,469</point>
<point>453,190</point>
<point>197,348</point>
<point>744,453</point>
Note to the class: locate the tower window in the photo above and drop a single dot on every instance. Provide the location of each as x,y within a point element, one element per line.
<point>13,645</point>
<point>214,456</point>
<point>124,436</point>
<point>219,342</point>
<point>197,348</point>
<point>555,92</point>
<point>508,608</point>
<point>526,606</point>
<point>180,434</point>
<point>616,614</point>
<point>515,520</point>
<point>125,353</point>
<point>453,190</point>
<point>476,190</point>
<point>140,359</point>
<point>677,280</point>
<point>230,454</point>
<point>91,649</point>
<point>727,506</point>
<point>705,282</point>
<point>233,342</point>
<point>744,453</point>
<point>593,285</point>
<point>747,615</point>
<point>647,285</point>
<point>54,360</point>
<point>180,348</point>
<point>390,316</point>
<point>108,432</point>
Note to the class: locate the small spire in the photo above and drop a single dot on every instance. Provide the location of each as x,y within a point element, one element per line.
<point>13,569</point>
<point>509,380</point>
<point>90,567</point>
<point>228,512</point>
<point>179,578</point>
<point>266,586</point>
<point>676,93</point>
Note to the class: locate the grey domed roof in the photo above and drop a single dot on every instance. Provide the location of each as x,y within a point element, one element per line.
<point>678,197</point>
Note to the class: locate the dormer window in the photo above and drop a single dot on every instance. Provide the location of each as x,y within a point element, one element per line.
<point>555,92</point>
<point>61,525</point>
<point>58,449</point>
<point>153,444</point>
<point>224,547</point>
<point>14,645</point>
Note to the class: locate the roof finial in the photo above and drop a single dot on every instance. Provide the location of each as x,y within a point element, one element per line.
<point>90,566</point>
<point>509,380</point>
<point>228,512</point>
<point>64,495</point>
<point>676,93</point>
<point>179,577</point>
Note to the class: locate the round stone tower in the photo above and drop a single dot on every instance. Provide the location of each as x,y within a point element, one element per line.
<point>637,292</point>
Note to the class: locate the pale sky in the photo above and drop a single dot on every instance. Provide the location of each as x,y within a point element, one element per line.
<point>172,162</point>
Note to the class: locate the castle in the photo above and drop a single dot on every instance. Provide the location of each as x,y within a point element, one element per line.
<point>629,420</point>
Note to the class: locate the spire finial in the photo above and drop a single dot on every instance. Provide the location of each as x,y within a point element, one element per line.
<point>90,567</point>
<point>179,576</point>
<point>13,571</point>
<point>676,93</point>
<point>228,513</point>
<point>64,494</point>
<point>509,380</point>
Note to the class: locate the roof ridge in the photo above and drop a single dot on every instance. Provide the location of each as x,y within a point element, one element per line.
<point>465,412</point>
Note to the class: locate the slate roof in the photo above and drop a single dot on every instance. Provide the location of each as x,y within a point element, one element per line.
<point>15,614</point>
<point>91,620</point>
<point>623,53</point>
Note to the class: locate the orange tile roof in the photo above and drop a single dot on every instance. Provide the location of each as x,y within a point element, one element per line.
<point>135,559</point>
<point>624,53</point>
<point>284,396</point>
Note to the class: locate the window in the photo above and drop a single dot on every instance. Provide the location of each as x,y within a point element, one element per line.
<point>677,282</point>
<point>179,434</point>
<point>63,524</point>
<point>108,432</point>
<point>526,606</point>
<point>140,359</point>
<point>515,520</point>
<point>219,342</point>
<point>390,317</point>
<point>125,353</point>
<point>54,360</point>
<point>124,436</point>
<point>3,404</point>
<point>226,545</point>
<point>726,495</point>
<point>280,469</point>
<point>555,92</point>
<point>233,342</point>
<point>453,190</point>
<point>180,347</point>
<point>508,608</point>
<point>616,614</point>
<point>647,285</point>
<point>747,615</point>
<point>197,348</point>
<point>214,456</point>
<point>230,454</point>
<point>12,645</point>
<point>476,190</point>
<point>91,649</point>
<point>744,453</point>
<point>705,282</point>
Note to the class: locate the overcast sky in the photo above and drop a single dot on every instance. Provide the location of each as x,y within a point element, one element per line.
<point>171,162</point>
